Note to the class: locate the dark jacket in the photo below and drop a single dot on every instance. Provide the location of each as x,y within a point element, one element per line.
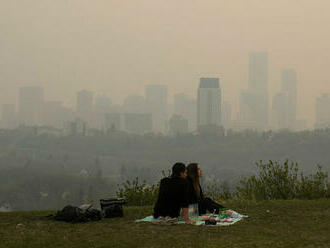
<point>172,197</point>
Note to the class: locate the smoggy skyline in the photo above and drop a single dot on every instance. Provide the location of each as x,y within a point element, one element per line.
<point>118,47</point>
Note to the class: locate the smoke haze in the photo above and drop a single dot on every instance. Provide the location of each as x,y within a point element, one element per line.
<point>117,47</point>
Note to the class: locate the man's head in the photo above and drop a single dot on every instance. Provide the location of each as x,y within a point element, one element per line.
<point>179,170</point>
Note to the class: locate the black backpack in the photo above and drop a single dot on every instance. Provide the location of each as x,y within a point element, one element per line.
<point>75,214</point>
<point>112,207</point>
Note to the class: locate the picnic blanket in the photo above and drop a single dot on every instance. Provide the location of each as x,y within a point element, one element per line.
<point>198,220</point>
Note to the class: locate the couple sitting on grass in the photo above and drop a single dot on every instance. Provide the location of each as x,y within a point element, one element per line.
<point>182,190</point>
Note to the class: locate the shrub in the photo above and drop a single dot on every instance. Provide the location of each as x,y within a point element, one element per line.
<point>282,181</point>
<point>138,194</point>
<point>217,190</point>
<point>313,186</point>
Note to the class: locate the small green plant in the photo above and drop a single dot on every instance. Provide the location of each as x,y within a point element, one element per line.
<point>217,190</point>
<point>138,194</point>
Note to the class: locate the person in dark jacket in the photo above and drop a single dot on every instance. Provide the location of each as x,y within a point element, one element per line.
<point>195,192</point>
<point>173,195</point>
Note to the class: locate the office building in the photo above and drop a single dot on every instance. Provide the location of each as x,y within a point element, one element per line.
<point>156,104</point>
<point>280,111</point>
<point>322,111</point>
<point>84,106</point>
<point>178,125</point>
<point>226,115</point>
<point>102,104</point>
<point>113,122</point>
<point>209,103</point>
<point>254,100</point>
<point>134,104</point>
<point>289,87</point>
<point>137,123</point>
<point>186,107</point>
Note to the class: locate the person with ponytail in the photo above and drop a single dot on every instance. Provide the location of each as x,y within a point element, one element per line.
<point>196,196</point>
<point>195,192</point>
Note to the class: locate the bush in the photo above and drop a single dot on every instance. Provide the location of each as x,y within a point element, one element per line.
<point>217,190</point>
<point>138,194</point>
<point>313,186</point>
<point>273,181</point>
<point>282,181</point>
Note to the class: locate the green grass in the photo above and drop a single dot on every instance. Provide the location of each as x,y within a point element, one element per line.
<point>287,224</point>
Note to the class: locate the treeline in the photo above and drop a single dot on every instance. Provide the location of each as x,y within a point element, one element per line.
<point>29,189</point>
<point>116,157</point>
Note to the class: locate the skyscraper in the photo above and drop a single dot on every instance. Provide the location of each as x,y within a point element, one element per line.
<point>209,103</point>
<point>84,106</point>
<point>258,72</point>
<point>322,111</point>
<point>186,107</point>
<point>255,98</point>
<point>226,115</point>
<point>30,105</point>
<point>280,111</point>
<point>156,104</point>
<point>289,86</point>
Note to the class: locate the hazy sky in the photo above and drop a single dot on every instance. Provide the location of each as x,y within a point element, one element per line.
<point>119,46</point>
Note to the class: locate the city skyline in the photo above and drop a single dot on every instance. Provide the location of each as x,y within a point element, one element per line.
<point>92,108</point>
<point>115,48</point>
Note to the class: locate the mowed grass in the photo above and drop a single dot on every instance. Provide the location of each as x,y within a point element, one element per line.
<point>271,224</point>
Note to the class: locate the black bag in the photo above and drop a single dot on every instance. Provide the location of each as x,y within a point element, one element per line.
<point>70,214</point>
<point>75,214</point>
<point>112,207</point>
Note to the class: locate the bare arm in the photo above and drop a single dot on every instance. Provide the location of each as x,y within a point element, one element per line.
<point>186,216</point>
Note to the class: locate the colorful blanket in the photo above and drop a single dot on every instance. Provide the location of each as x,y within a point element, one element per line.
<point>198,220</point>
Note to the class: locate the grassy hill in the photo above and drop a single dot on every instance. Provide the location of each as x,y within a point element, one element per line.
<point>294,223</point>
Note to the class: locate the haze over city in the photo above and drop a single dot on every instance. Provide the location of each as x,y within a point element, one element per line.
<point>117,47</point>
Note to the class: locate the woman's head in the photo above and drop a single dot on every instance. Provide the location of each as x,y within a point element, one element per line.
<point>194,171</point>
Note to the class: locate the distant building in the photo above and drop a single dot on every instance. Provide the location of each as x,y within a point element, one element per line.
<point>84,106</point>
<point>258,72</point>
<point>186,107</point>
<point>241,125</point>
<point>280,111</point>
<point>102,107</point>
<point>226,115</point>
<point>254,100</point>
<point>31,100</point>
<point>53,114</point>
<point>209,103</point>
<point>156,104</point>
<point>8,116</point>
<point>178,125</point>
<point>322,110</point>
<point>135,104</point>
<point>102,104</point>
<point>252,109</point>
<point>289,86</point>
<point>76,127</point>
<point>113,122</point>
<point>137,123</point>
